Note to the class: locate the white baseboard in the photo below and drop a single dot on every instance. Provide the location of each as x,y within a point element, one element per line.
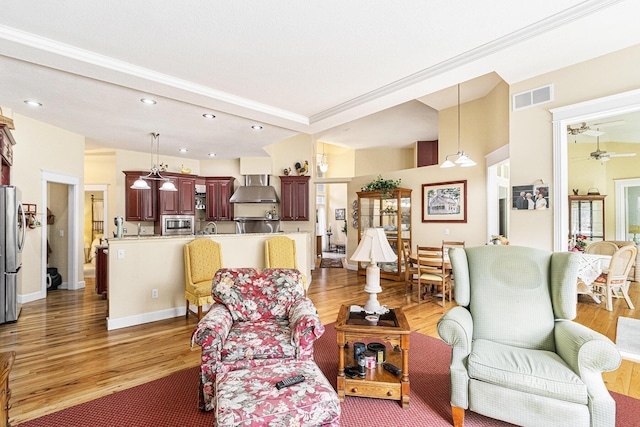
<point>140,319</point>
<point>25,298</point>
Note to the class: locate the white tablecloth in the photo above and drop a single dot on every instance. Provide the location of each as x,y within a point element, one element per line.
<point>591,266</point>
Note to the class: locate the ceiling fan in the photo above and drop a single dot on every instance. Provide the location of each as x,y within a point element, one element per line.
<point>587,130</point>
<point>605,156</point>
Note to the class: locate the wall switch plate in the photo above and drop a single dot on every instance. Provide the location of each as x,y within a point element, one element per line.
<point>61,233</point>
<point>120,253</point>
<point>446,231</point>
<point>154,293</point>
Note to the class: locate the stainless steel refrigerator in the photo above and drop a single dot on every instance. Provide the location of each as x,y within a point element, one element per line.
<point>12,234</point>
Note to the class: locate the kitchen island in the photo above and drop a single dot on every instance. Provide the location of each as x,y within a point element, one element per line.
<point>140,265</point>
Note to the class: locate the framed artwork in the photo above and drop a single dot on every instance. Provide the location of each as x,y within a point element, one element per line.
<point>340,214</point>
<point>444,202</point>
<point>530,197</point>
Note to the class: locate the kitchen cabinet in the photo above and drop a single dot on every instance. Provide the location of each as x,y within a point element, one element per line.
<point>140,205</point>
<point>586,217</point>
<point>219,190</point>
<point>294,198</point>
<point>6,154</point>
<point>102,271</point>
<point>391,212</point>
<point>181,202</point>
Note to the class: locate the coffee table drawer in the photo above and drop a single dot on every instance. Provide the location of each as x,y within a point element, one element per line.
<point>378,390</point>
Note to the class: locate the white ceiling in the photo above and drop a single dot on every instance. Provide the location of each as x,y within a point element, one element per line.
<point>292,66</point>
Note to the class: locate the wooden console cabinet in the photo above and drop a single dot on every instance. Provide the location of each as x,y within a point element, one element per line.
<point>102,271</point>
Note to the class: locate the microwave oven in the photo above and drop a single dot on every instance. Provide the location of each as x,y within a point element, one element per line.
<point>177,225</point>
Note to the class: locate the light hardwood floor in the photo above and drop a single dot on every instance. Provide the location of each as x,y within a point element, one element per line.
<point>65,355</point>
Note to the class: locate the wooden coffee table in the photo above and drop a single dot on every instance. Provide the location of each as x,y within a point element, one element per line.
<point>393,329</point>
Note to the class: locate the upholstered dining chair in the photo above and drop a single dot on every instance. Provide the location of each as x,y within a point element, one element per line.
<point>601,248</point>
<point>516,353</point>
<point>280,252</point>
<point>614,281</point>
<point>202,258</point>
<point>410,270</point>
<point>431,271</point>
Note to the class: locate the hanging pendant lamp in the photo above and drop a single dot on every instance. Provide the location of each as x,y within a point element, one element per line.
<point>141,183</point>
<point>462,159</point>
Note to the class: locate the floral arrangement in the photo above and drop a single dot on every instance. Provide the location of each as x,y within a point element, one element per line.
<point>384,185</point>
<point>581,242</point>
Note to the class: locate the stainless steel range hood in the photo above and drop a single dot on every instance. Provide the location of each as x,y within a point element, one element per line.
<point>256,189</point>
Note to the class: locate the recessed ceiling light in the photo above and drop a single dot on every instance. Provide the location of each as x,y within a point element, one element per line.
<point>33,103</point>
<point>256,127</point>
<point>148,101</point>
<point>182,150</point>
<point>208,116</point>
<point>212,154</point>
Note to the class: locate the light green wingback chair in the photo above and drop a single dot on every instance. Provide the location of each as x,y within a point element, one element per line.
<point>516,354</point>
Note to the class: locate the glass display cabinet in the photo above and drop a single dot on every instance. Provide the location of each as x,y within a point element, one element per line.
<point>586,217</point>
<point>391,212</point>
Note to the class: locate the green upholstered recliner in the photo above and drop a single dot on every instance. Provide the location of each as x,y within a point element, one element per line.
<point>516,354</point>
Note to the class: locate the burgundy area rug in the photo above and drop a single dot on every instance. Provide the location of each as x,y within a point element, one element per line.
<point>172,401</point>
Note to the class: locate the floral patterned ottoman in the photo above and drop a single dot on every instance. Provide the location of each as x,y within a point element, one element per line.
<point>249,397</point>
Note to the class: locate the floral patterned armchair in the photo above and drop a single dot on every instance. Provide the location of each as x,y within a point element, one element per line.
<point>260,316</point>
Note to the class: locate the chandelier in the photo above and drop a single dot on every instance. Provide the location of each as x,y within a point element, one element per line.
<point>463,159</point>
<point>141,183</point>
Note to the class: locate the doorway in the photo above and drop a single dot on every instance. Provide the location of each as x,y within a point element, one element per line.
<point>64,193</point>
<point>331,220</point>
<point>96,226</point>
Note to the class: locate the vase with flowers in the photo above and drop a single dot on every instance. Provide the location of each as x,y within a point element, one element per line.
<point>581,243</point>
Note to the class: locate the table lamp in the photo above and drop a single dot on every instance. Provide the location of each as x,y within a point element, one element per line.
<point>634,229</point>
<point>374,247</point>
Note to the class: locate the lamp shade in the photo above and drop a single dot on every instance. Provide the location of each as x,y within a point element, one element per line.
<point>634,229</point>
<point>140,184</point>
<point>374,247</point>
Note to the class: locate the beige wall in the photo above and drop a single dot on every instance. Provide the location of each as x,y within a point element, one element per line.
<point>158,263</point>
<point>531,129</point>
<point>42,147</point>
<point>381,160</point>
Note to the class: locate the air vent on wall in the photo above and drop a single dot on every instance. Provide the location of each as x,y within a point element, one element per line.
<point>532,97</point>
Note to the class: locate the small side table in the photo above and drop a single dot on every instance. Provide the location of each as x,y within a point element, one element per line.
<point>392,328</point>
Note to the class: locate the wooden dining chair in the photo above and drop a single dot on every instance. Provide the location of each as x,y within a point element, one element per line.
<point>614,280</point>
<point>432,271</point>
<point>410,269</point>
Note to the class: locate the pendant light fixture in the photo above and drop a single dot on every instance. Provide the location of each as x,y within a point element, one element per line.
<point>463,160</point>
<point>324,166</point>
<point>141,183</point>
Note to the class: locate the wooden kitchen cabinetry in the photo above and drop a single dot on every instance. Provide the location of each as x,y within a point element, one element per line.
<point>6,152</point>
<point>102,271</point>
<point>181,202</point>
<point>219,191</point>
<point>294,198</point>
<point>141,205</point>
<point>392,213</point>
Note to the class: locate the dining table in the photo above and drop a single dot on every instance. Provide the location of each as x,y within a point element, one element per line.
<point>432,262</point>
<point>590,268</point>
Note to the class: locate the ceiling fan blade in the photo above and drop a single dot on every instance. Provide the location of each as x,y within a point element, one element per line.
<point>622,154</point>
<point>607,124</point>
<point>592,132</point>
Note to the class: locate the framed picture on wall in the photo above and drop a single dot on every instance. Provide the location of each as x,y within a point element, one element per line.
<point>340,214</point>
<point>530,197</point>
<point>444,202</point>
